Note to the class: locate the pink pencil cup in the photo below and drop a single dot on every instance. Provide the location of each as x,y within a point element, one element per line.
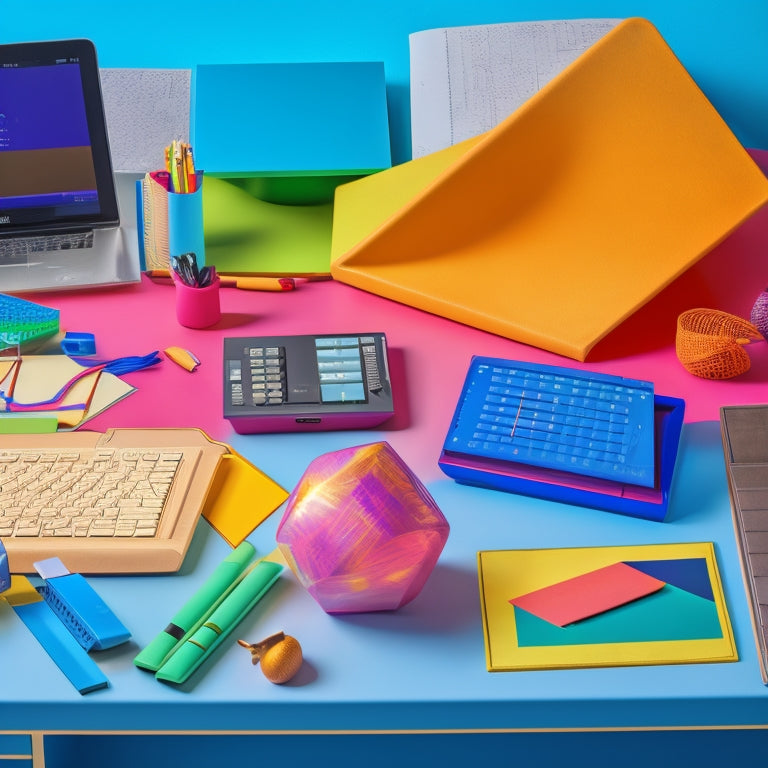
<point>198,307</point>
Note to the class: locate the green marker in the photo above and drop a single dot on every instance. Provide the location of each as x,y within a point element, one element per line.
<point>196,609</point>
<point>227,615</point>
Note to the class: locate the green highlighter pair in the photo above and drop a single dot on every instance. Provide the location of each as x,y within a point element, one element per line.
<point>209,616</point>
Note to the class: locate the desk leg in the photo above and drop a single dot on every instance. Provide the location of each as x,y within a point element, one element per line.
<point>38,752</point>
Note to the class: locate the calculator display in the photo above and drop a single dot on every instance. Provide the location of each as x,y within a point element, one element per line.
<point>274,383</point>
<point>340,368</point>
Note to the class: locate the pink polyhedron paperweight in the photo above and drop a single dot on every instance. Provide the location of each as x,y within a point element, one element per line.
<point>360,530</point>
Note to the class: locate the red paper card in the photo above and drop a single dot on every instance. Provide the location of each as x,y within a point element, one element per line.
<point>588,594</point>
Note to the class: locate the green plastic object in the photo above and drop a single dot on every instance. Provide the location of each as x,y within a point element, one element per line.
<point>228,612</point>
<point>192,614</point>
<point>22,321</point>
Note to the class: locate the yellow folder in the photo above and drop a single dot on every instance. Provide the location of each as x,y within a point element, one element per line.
<point>555,226</point>
<point>686,622</point>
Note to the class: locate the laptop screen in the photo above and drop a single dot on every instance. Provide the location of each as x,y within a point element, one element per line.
<point>55,168</point>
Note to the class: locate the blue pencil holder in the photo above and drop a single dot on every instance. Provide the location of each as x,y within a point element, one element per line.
<point>185,223</point>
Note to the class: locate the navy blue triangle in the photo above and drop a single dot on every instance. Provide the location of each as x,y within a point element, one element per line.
<point>689,573</point>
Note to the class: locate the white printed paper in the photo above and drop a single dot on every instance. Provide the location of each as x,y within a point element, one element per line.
<point>466,80</point>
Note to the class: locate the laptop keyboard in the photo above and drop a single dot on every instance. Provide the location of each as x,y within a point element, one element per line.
<point>87,492</point>
<point>16,250</point>
<point>125,501</point>
<point>552,417</point>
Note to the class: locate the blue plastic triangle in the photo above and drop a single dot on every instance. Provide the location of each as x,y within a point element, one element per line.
<point>689,573</point>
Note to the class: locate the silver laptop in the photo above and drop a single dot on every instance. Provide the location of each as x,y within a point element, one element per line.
<point>59,212</point>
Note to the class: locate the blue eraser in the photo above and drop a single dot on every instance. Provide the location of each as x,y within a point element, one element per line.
<point>79,607</point>
<point>78,344</point>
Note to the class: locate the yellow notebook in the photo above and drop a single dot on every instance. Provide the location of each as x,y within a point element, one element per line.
<point>555,226</point>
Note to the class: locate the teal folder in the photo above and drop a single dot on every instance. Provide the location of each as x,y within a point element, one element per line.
<point>670,614</point>
<point>291,120</point>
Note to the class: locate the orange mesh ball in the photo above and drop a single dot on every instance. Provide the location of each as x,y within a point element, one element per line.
<point>710,343</point>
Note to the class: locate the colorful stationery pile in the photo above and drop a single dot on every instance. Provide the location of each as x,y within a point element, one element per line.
<point>180,165</point>
<point>169,209</point>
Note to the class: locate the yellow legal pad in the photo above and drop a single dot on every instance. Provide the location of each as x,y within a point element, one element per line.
<point>555,226</point>
<point>686,621</point>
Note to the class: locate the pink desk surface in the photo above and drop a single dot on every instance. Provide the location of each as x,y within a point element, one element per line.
<point>430,355</point>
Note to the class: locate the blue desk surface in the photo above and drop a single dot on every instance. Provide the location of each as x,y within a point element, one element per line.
<point>422,667</point>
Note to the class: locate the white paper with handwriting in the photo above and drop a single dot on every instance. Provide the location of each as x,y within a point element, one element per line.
<point>466,80</point>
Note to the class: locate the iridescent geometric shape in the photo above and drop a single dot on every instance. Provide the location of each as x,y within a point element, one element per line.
<point>360,530</point>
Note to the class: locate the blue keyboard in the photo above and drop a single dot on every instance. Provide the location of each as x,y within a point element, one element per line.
<point>552,417</point>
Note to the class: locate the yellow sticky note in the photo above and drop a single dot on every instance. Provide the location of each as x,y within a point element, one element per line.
<point>21,592</point>
<point>241,498</point>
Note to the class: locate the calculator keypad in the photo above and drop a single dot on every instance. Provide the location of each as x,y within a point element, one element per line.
<point>258,378</point>
<point>267,374</point>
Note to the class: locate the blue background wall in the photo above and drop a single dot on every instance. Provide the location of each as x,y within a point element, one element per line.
<point>724,45</point>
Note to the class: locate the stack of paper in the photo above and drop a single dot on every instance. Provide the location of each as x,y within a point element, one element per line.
<point>466,80</point>
<point>55,391</point>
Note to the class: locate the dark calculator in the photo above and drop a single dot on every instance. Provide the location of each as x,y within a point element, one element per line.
<point>312,382</point>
